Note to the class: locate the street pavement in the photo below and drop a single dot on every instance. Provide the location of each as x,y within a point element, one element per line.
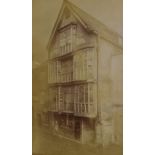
<point>45,143</point>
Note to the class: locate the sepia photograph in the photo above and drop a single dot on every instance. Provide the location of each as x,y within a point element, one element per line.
<point>77,77</point>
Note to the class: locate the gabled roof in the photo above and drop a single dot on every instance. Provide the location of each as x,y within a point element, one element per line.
<point>89,23</point>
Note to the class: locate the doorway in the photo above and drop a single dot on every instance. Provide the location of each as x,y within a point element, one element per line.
<point>78,129</point>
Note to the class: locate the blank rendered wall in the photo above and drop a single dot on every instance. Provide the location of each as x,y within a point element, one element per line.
<point>117,97</point>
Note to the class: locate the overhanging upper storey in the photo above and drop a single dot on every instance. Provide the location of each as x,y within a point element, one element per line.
<point>70,15</point>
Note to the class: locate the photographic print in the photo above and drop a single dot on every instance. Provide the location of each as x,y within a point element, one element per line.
<point>77,77</point>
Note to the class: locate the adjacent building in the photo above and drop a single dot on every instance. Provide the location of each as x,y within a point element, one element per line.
<point>84,78</point>
<point>40,93</point>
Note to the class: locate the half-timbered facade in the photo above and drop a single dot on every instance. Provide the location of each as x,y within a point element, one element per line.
<point>80,51</point>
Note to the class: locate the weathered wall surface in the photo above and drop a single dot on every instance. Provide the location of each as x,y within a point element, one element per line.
<point>110,92</point>
<point>104,92</point>
<point>117,97</point>
<point>117,79</point>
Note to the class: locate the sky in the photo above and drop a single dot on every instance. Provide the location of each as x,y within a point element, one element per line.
<point>45,12</point>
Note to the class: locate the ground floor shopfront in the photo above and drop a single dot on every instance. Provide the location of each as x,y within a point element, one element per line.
<point>76,128</point>
<point>83,129</point>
